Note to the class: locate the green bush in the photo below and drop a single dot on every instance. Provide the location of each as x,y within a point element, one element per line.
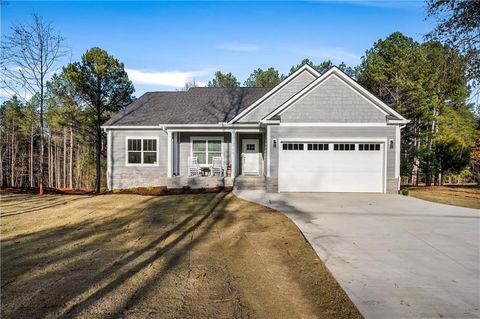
<point>404,192</point>
<point>149,189</point>
<point>116,190</point>
<point>134,190</point>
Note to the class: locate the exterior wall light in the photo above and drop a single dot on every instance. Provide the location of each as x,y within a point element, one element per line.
<point>274,141</point>
<point>392,144</point>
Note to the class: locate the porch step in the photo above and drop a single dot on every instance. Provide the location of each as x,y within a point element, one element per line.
<point>249,182</point>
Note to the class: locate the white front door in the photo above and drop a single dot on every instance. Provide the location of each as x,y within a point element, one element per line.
<point>250,157</point>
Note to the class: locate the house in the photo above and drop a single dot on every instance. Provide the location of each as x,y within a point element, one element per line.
<point>310,133</point>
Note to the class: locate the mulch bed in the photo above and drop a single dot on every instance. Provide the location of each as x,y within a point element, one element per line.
<point>145,191</point>
<point>47,190</point>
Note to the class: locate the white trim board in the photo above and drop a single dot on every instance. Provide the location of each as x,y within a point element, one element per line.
<point>334,124</point>
<point>357,88</point>
<point>333,139</point>
<point>163,127</point>
<point>224,130</point>
<point>290,78</point>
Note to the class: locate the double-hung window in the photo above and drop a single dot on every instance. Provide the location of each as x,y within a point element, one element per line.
<point>205,149</point>
<point>142,151</point>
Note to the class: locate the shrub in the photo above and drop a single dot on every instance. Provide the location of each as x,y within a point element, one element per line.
<point>134,190</point>
<point>404,192</point>
<point>116,190</point>
<point>149,189</point>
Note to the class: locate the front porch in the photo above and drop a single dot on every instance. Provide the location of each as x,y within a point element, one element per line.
<point>195,182</point>
<point>193,155</point>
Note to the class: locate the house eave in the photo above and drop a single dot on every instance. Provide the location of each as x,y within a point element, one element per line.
<point>189,126</point>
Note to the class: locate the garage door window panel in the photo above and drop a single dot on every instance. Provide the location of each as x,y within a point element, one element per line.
<point>344,147</point>
<point>293,146</point>
<point>369,147</point>
<point>317,147</point>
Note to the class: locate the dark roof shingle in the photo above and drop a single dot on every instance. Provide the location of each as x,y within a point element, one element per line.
<point>199,105</point>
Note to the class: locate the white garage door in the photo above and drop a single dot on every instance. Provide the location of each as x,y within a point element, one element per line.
<point>331,167</point>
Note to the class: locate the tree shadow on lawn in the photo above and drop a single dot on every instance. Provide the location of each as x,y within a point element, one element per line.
<point>57,201</point>
<point>62,271</point>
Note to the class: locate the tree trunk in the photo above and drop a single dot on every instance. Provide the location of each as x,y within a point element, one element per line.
<point>1,160</point>
<point>416,160</point>
<point>57,164</point>
<point>42,151</point>
<point>32,182</point>
<point>70,168</point>
<point>64,179</point>
<point>79,181</point>
<point>12,165</point>
<point>98,146</point>
<point>50,171</point>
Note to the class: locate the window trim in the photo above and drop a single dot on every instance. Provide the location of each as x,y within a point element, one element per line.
<point>207,138</point>
<point>127,138</point>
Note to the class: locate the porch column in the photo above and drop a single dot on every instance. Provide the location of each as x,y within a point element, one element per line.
<point>169,154</point>
<point>109,159</point>
<point>233,153</point>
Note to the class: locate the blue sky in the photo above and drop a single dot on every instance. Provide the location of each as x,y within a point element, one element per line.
<point>164,44</point>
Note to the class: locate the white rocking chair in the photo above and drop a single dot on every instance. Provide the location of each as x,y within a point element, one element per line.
<point>193,167</point>
<point>217,167</point>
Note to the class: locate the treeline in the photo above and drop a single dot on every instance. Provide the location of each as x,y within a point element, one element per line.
<point>54,138</point>
<point>68,156</point>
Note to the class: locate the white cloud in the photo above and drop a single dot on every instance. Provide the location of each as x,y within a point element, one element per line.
<point>176,79</point>
<point>239,47</point>
<point>337,55</point>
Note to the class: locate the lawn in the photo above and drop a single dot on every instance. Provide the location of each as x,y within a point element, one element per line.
<point>184,256</point>
<point>463,196</point>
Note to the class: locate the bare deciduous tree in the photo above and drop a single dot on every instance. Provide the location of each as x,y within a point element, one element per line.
<point>29,55</point>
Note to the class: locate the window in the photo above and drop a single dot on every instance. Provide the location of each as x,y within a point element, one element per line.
<point>142,151</point>
<point>369,147</point>
<point>344,147</point>
<point>250,147</point>
<point>205,149</point>
<point>292,146</point>
<point>317,147</point>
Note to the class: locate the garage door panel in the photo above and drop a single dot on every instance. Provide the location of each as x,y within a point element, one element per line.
<point>331,171</point>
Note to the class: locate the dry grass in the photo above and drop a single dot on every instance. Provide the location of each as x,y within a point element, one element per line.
<point>450,195</point>
<point>186,256</point>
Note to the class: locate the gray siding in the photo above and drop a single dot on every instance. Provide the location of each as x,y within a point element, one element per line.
<point>137,176</point>
<point>279,97</point>
<point>279,132</point>
<point>331,102</point>
<point>185,148</point>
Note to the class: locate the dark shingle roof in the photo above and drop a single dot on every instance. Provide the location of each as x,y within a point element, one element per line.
<point>200,105</point>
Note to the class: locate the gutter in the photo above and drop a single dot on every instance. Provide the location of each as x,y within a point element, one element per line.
<point>163,127</point>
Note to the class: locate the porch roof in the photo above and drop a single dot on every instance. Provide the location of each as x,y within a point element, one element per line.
<point>199,105</point>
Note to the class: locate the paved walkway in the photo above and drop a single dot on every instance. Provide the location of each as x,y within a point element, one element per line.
<point>395,256</point>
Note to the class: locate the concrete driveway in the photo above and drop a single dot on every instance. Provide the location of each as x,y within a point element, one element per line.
<point>395,256</point>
